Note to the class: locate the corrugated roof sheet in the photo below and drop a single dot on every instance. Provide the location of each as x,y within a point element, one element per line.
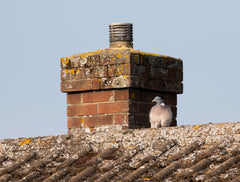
<point>186,153</point>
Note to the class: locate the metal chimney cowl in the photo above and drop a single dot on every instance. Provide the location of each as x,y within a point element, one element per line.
<point>121,35</point>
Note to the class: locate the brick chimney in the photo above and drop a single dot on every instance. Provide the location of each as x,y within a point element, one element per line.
<point>113,88</point>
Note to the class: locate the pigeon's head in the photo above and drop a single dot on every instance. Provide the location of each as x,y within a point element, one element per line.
<point>158,100</point>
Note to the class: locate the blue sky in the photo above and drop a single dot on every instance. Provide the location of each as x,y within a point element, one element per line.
<point>35,34</point>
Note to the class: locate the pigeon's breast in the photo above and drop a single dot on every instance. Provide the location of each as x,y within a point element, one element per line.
<point>160,112</point>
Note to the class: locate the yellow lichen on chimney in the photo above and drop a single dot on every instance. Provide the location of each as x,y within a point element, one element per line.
<point>196,127</point>
<point>208,171</point>
<point>133,95</point>
<point>119,70</point>
<point>87,54</point>
<point>135,58</point>
<point>144,53</point>
<point>26,141</point>
<point>72,72</point>
<point>64,60</point>
<point>119,55</point>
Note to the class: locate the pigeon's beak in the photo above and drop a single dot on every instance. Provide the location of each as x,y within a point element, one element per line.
<point>153,100</point>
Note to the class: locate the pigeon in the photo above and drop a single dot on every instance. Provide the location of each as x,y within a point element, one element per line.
<point>160,114</point>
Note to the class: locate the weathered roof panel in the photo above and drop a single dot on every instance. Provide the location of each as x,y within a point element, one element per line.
<point>186,153</point>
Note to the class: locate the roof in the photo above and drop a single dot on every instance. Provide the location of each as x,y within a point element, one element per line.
<point>208,152</point>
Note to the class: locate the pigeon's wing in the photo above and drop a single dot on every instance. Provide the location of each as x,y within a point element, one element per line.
<point>166,116</point>
<point>170,111</point>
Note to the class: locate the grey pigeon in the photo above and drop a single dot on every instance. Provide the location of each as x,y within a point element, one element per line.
<point>160,114</point>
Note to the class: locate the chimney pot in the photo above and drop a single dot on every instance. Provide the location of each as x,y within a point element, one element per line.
<point>121,35</point>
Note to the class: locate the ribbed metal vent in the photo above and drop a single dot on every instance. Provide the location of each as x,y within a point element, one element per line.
<point>121,35</point>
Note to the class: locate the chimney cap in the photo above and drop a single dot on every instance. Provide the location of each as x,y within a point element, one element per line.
<point>119,23</point>
<point>121,35</point>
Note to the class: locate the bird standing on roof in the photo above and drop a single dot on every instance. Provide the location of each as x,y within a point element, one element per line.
<point>160,114</point>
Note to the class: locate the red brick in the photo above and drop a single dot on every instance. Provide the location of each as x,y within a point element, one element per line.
<point>89,62</point>
<point>118,107</point>
<point>74,98</point>
<point>121,94</point>
<point>76,85</point>
<point>122,69</point>
<point>115,82</point>
<point>80,110</point>
<point>75,61</point>
<point>120,119</point>
<point>83,85</point>
<point>95,60</point>
<point>82,73</point>
<point>96,84</point>
<point>97,96</point>
<point>65,62</point>
<point>99,71</point>
<point>99,120</point>
<point>111,70</point>
<point>127,69</point>
<point>106,83</point>
<point>120,82</point>
<point>68,74</point>
<point>119,69</point>
<point>108,60</point>
<point>64,74</point>
<point>74,122</point>
<point>126,58</point>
